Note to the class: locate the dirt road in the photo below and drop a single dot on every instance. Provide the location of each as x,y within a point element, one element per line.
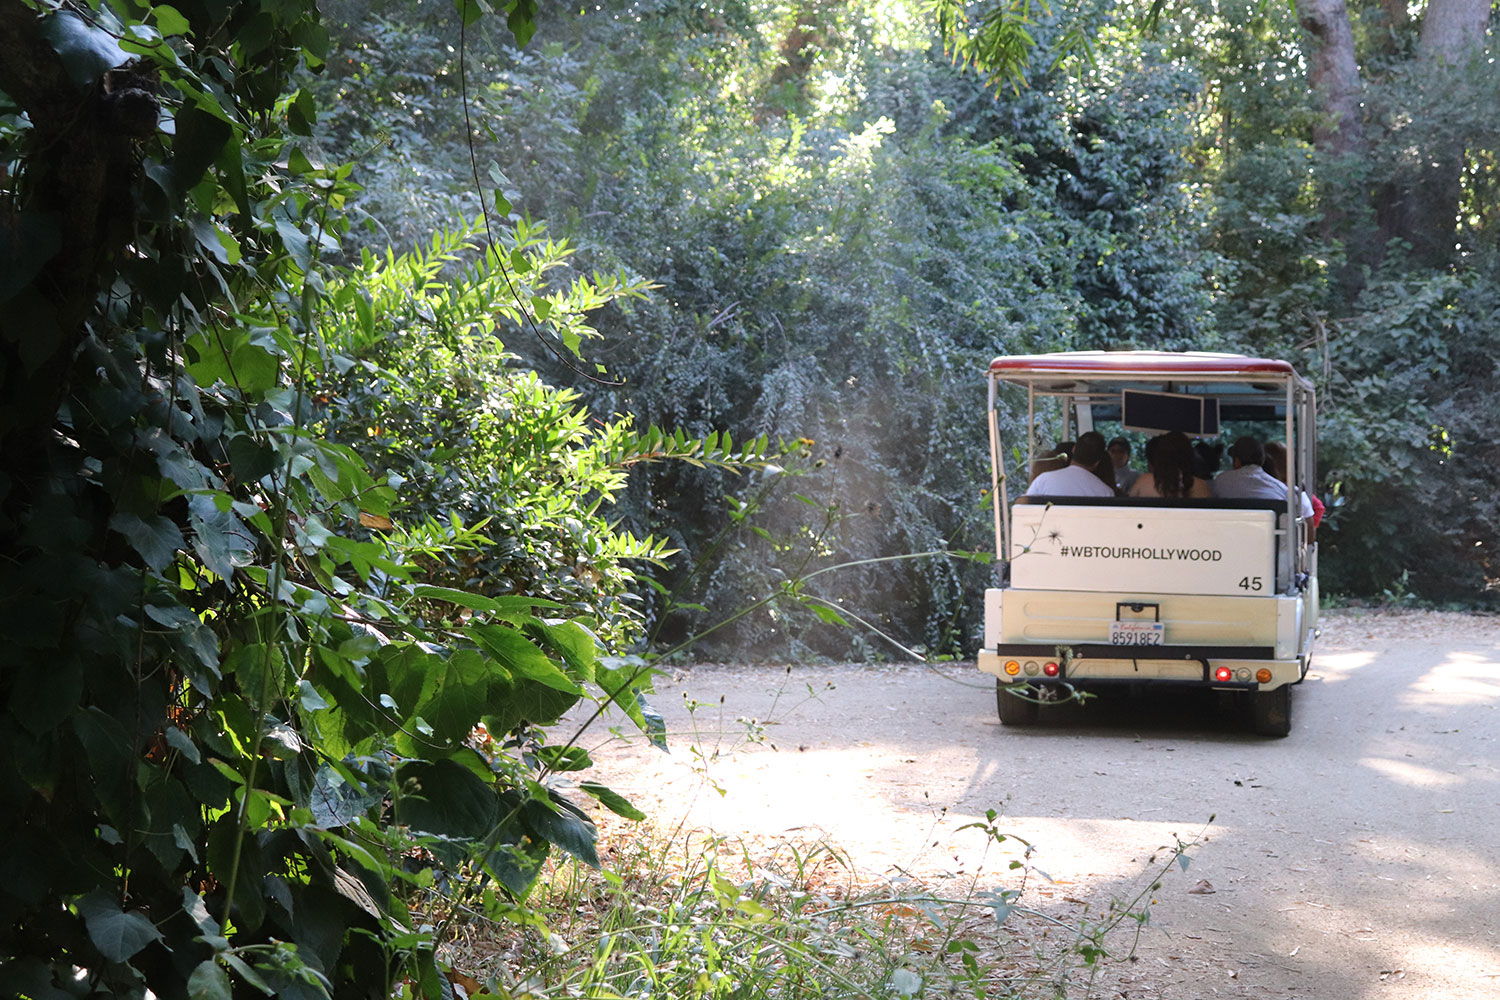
<point>1358,858</point>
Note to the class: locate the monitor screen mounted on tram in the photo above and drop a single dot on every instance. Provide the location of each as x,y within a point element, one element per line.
<point>1157,412</point>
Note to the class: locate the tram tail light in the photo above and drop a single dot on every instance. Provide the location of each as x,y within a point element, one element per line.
<point>1051,669</point>
<point>1223,674</point>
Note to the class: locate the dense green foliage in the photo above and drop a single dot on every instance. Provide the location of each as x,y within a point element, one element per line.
<point>303,551</point>
<point>298,566</point>
<point>839,247</point>
<point>845,228</point>
<point>1403,344</point>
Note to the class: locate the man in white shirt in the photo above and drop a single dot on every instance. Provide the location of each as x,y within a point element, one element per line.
<point>1248,481</point>
<point>1078,479</point>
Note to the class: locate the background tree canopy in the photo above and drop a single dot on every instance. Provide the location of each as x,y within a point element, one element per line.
<point>361,371</point>
<point>844,227</point>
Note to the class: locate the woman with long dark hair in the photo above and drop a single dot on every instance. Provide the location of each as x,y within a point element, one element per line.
<point>1169,458</point>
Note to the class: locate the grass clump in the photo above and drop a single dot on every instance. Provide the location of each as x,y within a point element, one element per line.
<point>680,915</point>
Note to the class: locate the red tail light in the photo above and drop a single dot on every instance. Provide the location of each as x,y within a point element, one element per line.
<point>1223,674</point>
<point>1051,669</point>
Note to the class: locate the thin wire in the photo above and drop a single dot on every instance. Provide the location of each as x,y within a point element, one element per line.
<point>463,82</point>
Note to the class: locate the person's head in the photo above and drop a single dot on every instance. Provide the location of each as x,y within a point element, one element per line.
<point>1089,450</point>
<point>1089,453</point>
<point>1150,449</point>
<point>1171,458</point>
<point>1246,452</point>
<point>1207,458</point>
<point>1275,460</point>
<point>1119,452</point>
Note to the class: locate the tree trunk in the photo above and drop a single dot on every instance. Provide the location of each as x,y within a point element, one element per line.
<point>1452,31</point>
<point>813,20</point>
<point>1339,133</point>
<point>1334,75</point>
<point>1390,31</point>
<point>1452,35</point>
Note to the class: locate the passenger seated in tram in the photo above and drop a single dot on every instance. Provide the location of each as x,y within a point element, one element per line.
<point>1169,462</point>
<point>1105,467</point>
<point>1275,466</point>
<point>1207,458</point>
<point>1248,480</point>
<point>1119,456</point>
<point>1079,478</point>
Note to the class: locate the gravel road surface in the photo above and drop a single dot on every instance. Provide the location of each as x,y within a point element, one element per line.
<point>1357,858</point>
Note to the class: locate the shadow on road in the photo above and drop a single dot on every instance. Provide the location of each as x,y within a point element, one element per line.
<point>1139,710</point>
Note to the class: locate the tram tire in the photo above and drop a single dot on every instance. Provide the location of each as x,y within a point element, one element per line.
<point>1015,710</point>
<point>1271,711</point>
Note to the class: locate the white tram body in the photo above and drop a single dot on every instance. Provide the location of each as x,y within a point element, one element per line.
<point>1217,593</point>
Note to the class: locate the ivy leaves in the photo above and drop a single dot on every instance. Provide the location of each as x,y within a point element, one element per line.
<point>87,50</point>
<point>264,717</point>
<point>118,934</point>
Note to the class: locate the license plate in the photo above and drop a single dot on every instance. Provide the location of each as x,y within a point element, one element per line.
<point>1135,633</point>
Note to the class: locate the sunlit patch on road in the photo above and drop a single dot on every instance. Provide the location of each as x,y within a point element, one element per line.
<point>1412,775</point>
<point>1462,679</point>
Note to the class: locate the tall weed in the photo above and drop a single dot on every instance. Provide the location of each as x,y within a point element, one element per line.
<point>682,914</point>
<point>678,911</point>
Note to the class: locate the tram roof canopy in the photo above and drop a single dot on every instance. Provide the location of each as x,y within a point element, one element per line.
<point>1140,364</point>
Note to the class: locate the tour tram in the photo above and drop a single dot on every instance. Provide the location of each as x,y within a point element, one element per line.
<point>1104,592</point>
